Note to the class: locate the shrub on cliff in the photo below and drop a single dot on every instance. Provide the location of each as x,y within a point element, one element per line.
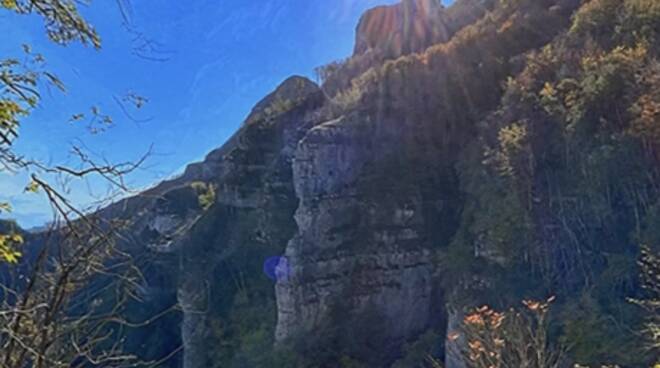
<point>514,338</point>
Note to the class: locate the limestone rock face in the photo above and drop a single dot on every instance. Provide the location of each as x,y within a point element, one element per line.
<point>363,244</point>
<point>409,26</point>
<point>378,196</point>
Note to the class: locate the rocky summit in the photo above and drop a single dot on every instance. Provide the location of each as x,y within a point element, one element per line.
<point>409,26</point>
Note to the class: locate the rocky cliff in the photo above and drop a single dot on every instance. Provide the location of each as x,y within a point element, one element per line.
<point>197,234</point>
<point>340,224</point>
<point>378,192</point>
<point>409,26</point>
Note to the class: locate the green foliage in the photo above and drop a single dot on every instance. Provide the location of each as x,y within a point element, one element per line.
<point>243,316</point>
<point>18,93</point>
<point>512,151</point>
<point>608,75</point>
<point>496,222</point>
<point>279,106</point>
<point>649,263</point>
<point>65,305</point>
<point>596,17</point>
<point>642,19</point>
<point>562,183</point>
<point>345,339</point>
<point>325,72</point>
<point>616,21</point>
<point>20,81</point>
<point>8,244</point>
<point>645,109</point>
<point>20,84</point>
<point>205,194</point>
<point>62,20</point>
<point>649,231</point>
<point>5,207</point>
<point>595,337</point>
<point>420,353</point>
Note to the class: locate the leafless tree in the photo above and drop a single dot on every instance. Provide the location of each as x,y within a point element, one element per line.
<point>63,300</point>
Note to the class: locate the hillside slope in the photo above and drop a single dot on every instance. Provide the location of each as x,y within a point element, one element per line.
<point>489,152</point>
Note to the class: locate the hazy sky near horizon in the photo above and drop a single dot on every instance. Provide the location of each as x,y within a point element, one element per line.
<point>221,57</point>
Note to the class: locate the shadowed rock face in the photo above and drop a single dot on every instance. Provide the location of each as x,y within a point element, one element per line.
<point>363,238</point>
<point>378,196</point>
<point>253,210</point>
<point>409,26</point>
<point>186,248</point>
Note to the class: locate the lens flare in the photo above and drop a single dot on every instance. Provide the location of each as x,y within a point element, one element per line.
<point>277,268</point>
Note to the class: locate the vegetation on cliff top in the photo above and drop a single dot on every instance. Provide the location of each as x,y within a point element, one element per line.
<point>560,173</point>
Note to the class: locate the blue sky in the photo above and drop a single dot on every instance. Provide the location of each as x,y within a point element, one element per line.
<point>222,57</point>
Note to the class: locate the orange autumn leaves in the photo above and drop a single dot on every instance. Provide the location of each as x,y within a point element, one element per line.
<point>483,317</point>
<point>493,339</point>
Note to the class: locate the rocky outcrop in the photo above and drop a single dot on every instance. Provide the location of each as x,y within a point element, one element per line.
<point>254,205</point>
<point>454,344</point>
<point>376,185</point>
<point>398,29</point>
<point>359,243</point>
<point>185,244</point>
<point>414,25</point>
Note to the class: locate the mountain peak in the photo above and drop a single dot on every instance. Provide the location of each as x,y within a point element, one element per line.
<point>291,91</point>
<point>409,26</point>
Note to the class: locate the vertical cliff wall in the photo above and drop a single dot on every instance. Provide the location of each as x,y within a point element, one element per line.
<point>379,196</point>
<point>364,241</point>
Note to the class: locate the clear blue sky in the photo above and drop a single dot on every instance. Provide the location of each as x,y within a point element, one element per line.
<point>223,56</point>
